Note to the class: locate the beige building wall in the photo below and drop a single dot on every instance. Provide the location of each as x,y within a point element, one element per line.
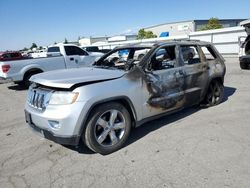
<point>84,42</point>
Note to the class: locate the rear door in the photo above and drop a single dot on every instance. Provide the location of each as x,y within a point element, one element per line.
<point>164,82</point>
<point>196,73</point>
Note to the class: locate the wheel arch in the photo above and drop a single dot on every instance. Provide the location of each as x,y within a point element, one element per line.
<point>124,100</point>
<point>32,71</point>
<point>30,68</point>
<point>217,78</point>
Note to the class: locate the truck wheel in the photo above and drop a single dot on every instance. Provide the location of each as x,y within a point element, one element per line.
<point>26,82</point>
<point>27,76</point>
<point>214,94</point>
<point>108,128</point>
<point>243,65</point>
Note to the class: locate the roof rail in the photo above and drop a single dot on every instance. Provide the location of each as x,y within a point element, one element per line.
<point>195,40</point>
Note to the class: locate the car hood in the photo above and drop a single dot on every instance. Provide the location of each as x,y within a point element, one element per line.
<point>68,78</point>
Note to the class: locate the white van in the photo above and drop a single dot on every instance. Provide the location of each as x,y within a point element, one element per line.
<point>244,52</point>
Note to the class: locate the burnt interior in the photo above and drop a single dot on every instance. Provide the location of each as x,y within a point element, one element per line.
<point>123,58</point>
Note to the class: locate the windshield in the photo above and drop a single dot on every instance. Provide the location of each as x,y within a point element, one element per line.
<point>123,58</point>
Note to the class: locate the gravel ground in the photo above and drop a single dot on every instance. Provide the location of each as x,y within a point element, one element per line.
<point>193,148</point>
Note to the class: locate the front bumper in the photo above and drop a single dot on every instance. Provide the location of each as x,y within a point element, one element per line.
<point>69,119</point>
<point>73,140</point>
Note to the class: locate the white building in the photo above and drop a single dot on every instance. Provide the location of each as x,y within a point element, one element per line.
<point>105,39</point>
<point>186,27</point>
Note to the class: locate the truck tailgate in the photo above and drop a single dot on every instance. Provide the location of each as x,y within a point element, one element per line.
<point>2,74</point>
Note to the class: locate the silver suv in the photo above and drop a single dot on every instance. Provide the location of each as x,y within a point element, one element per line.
<point>99,105</point>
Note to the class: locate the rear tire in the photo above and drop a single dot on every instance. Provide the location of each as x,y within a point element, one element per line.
<point>27,76</point>
<point>107,128</point>
<point>215,94</point>
<point>26,82</point>
<point>244,65</point>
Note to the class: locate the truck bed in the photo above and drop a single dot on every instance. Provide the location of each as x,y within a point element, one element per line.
<point>19,67</point>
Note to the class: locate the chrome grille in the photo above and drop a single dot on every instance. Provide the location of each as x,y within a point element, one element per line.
<point>39,98</point>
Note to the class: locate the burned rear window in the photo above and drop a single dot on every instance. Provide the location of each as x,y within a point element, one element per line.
<point>190,54</point>
<point>208,52</point>
<point>123,58</point>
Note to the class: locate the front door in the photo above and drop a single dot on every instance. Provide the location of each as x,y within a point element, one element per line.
<point>164,82</point>
<point>77,57</point>
<point>87,60</point>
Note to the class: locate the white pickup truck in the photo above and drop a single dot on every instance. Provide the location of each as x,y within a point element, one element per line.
<point>60,56</point>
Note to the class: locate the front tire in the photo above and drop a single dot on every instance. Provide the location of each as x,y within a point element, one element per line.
<point>108,128</point>
<point>214,94</point>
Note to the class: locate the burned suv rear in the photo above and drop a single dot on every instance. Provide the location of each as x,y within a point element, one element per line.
<point>100,105</point>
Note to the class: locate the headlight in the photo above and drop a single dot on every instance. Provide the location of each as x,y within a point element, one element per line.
<point>62,97</point>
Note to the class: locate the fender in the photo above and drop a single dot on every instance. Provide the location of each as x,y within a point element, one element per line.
<point>215,77</point>
<point>30,67</point>
<point>131,110</point>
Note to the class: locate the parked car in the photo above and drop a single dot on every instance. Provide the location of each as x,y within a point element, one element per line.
<point>10,56</point>
<point>60,56</point>
<point>244,55</point>
<point>100,105</point>
<point>95,49</point>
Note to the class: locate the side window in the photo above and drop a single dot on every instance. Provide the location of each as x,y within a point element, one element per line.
<point>119,56</point>
<point>82,52</point>
<point>53,49</point>
<point>14,55</point>
<point>73,50</point>
<point>208,52</point>
<point>190,54</point>
<point>164,58</point>
<point>6,56</point>
<point>123,54</point>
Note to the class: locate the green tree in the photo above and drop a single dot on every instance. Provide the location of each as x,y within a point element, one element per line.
<point>213,23</point>
<point>142,34</point>
<point>24,49</point>
<point>33,46</point>
<point>65,41</point>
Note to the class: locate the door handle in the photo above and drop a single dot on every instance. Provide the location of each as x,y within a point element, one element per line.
<point>71,59</point>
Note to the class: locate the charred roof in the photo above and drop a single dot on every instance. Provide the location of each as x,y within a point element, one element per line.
<point>160,43</point>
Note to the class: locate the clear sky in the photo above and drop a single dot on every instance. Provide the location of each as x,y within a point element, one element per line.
<point>47,21</point>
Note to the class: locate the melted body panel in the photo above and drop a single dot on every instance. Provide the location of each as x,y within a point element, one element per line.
<point>177,87</point>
